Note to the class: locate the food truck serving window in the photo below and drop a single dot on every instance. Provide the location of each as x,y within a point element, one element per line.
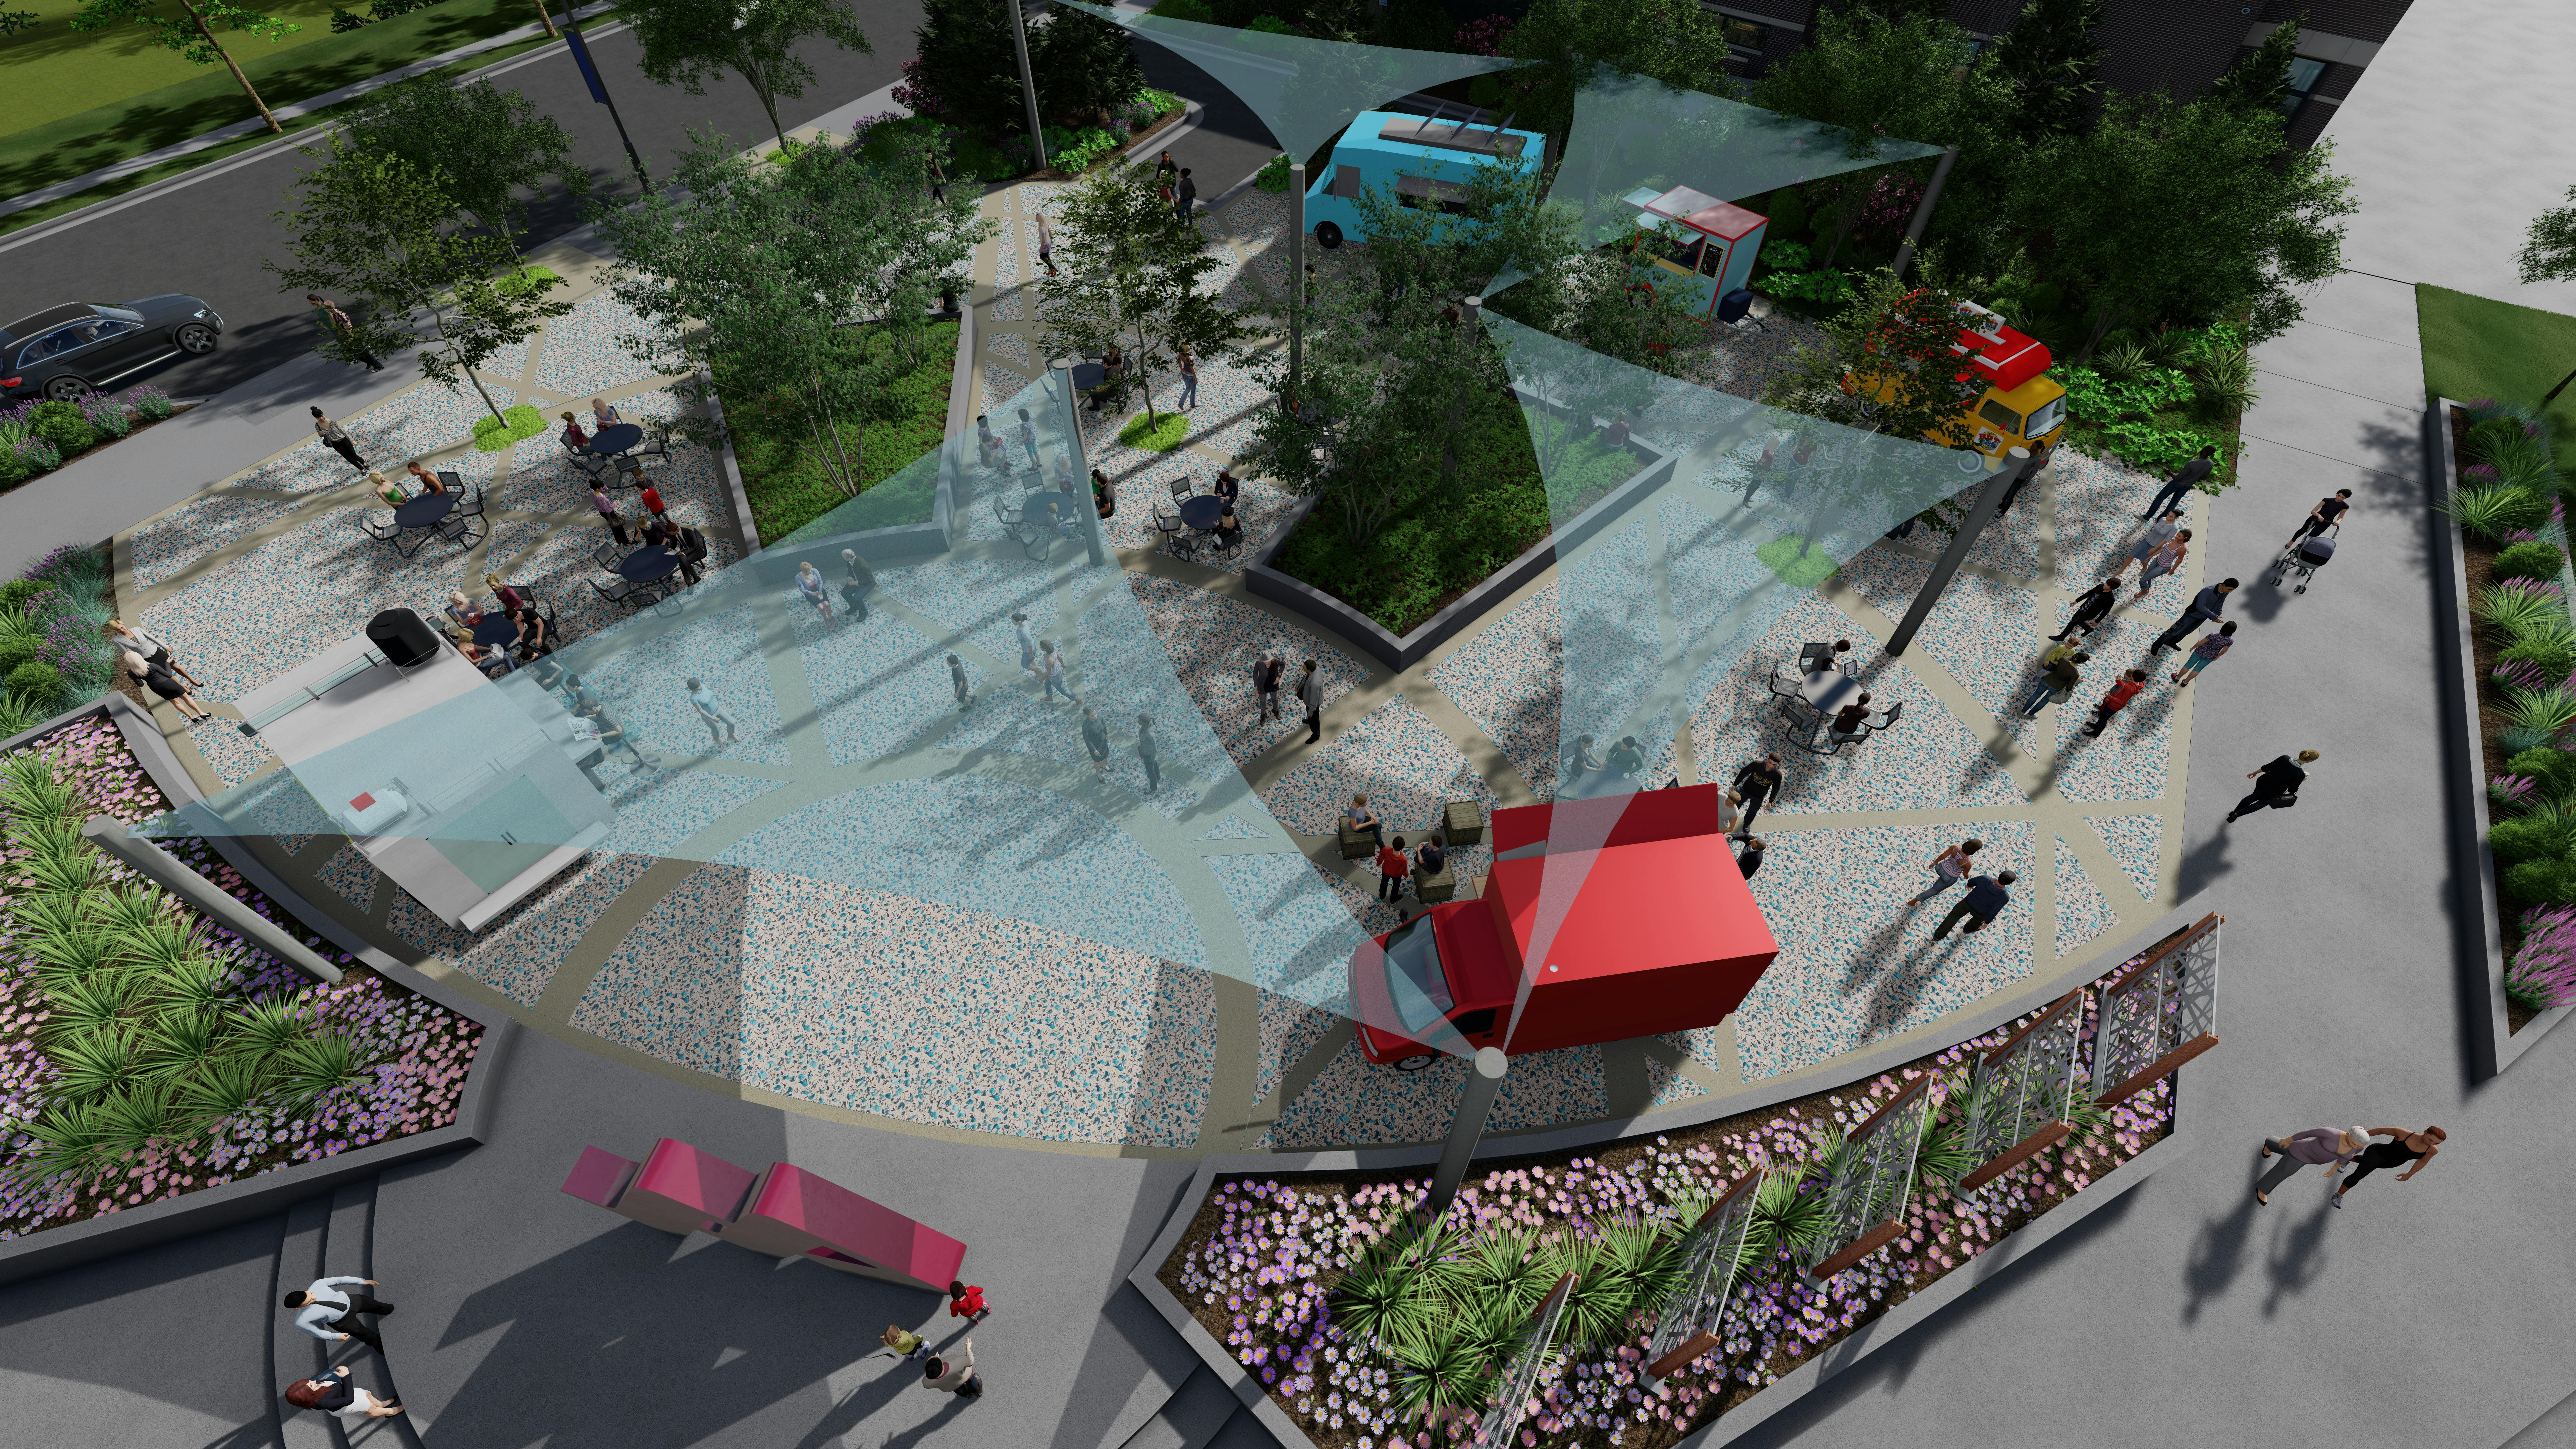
<point>1413,976</point>
<point>1428,191</point>
<point>2001,416</point>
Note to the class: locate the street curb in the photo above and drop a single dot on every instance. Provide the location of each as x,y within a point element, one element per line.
<point>1812,1374</point>
<point>73,186</point>
<point>51,1250</point>
<point>2473,871</point>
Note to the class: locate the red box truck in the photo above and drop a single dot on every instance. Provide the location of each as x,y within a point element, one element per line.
<point>1661,934</point>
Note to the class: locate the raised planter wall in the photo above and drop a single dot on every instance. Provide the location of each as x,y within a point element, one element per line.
<point>1862,1066</point>
<point>2473,872</point>
<point>1401,653</point>
<point>116,1234</point>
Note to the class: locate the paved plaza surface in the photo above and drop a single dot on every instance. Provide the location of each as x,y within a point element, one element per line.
<point>1041,1091</point>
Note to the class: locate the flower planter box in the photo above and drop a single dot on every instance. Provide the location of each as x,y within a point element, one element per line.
<point>1828,1361</point>
<point>203,1210</point>
<point>2479,911</point>
<point>1399,653</point>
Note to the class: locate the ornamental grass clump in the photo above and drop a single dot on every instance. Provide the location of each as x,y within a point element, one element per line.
<point>2542,974</point>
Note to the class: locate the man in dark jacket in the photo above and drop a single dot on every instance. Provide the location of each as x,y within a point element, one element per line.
<point>2097,601</point>
<point>2275,784</point>
<point>1756,782</point>
<point>1986,896</point>
<point>2057,680</point>
<point>2173,493</point>
<point>2205,608</point>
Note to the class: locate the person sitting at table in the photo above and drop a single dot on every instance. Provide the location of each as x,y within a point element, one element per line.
<point>428,480</point>
<point>495,662</point>
<point>510,599</point>
<point>532,633</point>
<point>462,610</point>
<point>1228,487</point>
<point>1849,719</point>
<point>386,488</point>
<point>574,438</point>
<point>658,533</point>
<point>1844,662</point>
<point>1626,758</point>
<point>606,415</point>
<point>1580,761</point>
<point>1228,532</point>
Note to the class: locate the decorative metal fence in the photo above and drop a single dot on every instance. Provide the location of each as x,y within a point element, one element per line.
<point>2158,1014</point>
<point>1865,1199</point>
<point>1518,1378</point>
<point>2018,1096</point>
<point>1711,1255</point>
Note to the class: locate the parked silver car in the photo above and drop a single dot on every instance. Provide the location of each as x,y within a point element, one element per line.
<point>81,347</point>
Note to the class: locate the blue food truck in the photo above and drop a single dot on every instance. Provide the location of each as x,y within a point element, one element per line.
<point>1424,161</point>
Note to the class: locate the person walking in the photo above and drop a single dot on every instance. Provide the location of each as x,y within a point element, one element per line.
<point>336,438</point>
<point>1756,783</point>
<point>988,448</point>
<point>2163,561</point>
<point>2116,699</point>
<point>126,636</point>
<point>163,683</point>
<point>2150,539</point>
<point>2179,487</point>
<point>2205,608</point>
<point>337,323</point>
<point>2059,675</point>
<point>339,1398</point>
<point>907,1344</point>
<point>862,580</point>
<point>328,1310</point>
<point>1310,693</point>
<point>1749,859</point>
<point>1189,381</point>
<point>2415,1147</point>
<point>2276,785</point>
<point>2090,607</point>
<point>2327,513</point>
<point>1393,870</point>
<point>608,514</point>
<point>2316,1147</point>
<point>1046,244</point>
<point>957,681</point>
<point>720,726</point>
<point>1948,869</point>
<point>954,1372</point>
<point>2205,653</point>
<point>1051,674</point>
<point>1730,805</point>
<point>966,1301</point>
<point>1166,169</point>
<point>1185,195</point>
<point>1149,753</point>
<point>1267,666</point>
<point>1095,738</point>
<point>809,582</point>
<point>1028,646</point>
<point>1986,898</point>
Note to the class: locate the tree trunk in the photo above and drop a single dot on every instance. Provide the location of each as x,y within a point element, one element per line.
<point>548,17</point>
<point>234,66</point>
<point>1152,420</point>
<point>760,87</point>
<point>487,397</point>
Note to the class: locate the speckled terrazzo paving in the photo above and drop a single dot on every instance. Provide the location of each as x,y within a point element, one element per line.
<point>2082,913</point>
<point>2137,843</point>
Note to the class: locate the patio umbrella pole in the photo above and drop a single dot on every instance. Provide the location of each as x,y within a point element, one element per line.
<point>1989,503</point>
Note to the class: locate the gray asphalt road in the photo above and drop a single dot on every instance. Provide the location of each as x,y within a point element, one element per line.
<point>210,238</point>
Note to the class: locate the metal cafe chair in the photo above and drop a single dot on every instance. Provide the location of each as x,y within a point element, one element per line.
<point>1175,542</point>
<point>1181,487</point>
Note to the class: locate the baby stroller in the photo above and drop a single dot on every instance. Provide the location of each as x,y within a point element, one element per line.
<point>2304,558</point>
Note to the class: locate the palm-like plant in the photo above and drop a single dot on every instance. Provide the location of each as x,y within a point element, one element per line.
<point>1384,1295</point>
<point>91,1063</point>
<point>1644,1256</point>
<point>2516,607</point>
<point>2495,510</point>
<point>1443,1368</point>
<point>316,1066</point>
<point>225,1087</point>
<point>1786,1215</point>
<point>59,862</point>
<point>147,1115</point>
<point>2122,360</point>
<point>176,1045</point>
<point>74,1143</point>
<point>28,787</point>
<point>2552,709</point>
<point>2227,381</point>
<point>1505,1266</point>
<point>1942,1157</point>
<point>268,1029</point>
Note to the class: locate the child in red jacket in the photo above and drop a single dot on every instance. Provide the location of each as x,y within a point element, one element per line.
<point>966,1301</point>
<point>1394,869</point>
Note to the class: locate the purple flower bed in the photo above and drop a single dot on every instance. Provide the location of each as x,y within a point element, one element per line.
<point>424,1050</point>
<point>1263,1265</point>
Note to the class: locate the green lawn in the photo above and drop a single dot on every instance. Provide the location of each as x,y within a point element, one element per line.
<point>138,120</point>
<point>2477,348</point>
<point>1434,548</point>
<point>787,493</point>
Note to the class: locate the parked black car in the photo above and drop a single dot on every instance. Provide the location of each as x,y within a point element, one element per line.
<point>81,347</point>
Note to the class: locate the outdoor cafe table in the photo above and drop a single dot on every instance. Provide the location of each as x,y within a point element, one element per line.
<point>424,511</point>
<point>645,565</point>
<point>496,631</point>
<point>616,439</point>
<point>1202,511</point>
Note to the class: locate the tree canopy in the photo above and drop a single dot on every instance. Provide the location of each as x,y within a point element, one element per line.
<point>969,66</point>
<point>687,42</point>
<point>2054,64</point>
<point>491,145</point>
<point>1086,68</point>
<point>2260,80</point>
<point>1131,277</point>
<point>2187,212</point>
<point>1673,41</point>
<point>191,33</point>
<point>2549,248</point>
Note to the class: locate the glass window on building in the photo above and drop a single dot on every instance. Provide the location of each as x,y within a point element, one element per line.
<point>2304,74</point>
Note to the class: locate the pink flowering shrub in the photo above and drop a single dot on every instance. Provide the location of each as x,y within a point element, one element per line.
<point>2542,973</point>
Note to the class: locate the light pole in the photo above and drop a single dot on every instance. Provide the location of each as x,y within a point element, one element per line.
<point>1923,211</point>
<point>1028,82</point>
<point>1296,271</point>
<point>599,93</point>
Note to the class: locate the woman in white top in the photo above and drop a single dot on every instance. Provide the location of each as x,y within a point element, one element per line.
<point>125,636</point>
<point>339,1398</point>
<point>607,415</point>
<point>1948,869</point>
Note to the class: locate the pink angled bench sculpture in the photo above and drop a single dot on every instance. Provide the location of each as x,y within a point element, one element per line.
<point>678,1188</point>
<point>797,1214</point>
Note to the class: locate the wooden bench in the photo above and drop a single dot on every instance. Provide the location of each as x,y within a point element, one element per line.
<point>1356,844</point>
<point>1431,890</point>
<point>1463,822</point>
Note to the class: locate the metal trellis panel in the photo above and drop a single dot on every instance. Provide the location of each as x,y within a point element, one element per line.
<point>2018,1106</point>
<point>1687,1326</point>
<point>2158,1014</point>
<point>1864,1199</point>
<point>1519,1375</point>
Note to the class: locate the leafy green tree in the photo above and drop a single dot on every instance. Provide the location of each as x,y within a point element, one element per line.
<point>1086,68</point>
<point>1674,41</point>
<point>1131,277</point>
<point>2549,249</point>
<point>754,272</point>
<point>969,63</point>
<point>191,33</point>
<point>686,42</point>
<point>2054,65</point>
<point>375,227</point>
<point>2187,212</point>
<point>490,144</point>
<point>1868,78</point>
<point>13,21</point>
<point>2261,81</point>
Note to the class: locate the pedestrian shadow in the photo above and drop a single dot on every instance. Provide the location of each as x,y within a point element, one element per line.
<point>2205,863</point>
<point>2297,1259</point>
<point>2217,1255</point>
